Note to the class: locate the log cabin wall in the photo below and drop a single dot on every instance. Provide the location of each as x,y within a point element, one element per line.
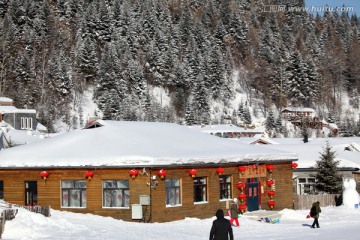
<point>49,190</point>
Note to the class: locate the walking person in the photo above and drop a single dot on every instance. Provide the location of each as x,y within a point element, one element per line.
<point>315,213</point>
<point>221,228</point>
<point>234,210</point>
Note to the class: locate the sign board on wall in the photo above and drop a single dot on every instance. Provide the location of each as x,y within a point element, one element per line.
<point>252,172</point>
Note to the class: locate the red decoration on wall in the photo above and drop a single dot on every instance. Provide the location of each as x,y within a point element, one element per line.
<point>271,193</point>
<point>193,172</point>
<point>134,173</point>
<point>220,170</point>
<point>254,166</point>
<point>270,168</point>
<point>242,169</point>
<point>162,173</point>
<point>44,174</point>
<point>89,174</point>
<point>242,196</point>
<point>269,182</point>
<point>240,185</point>
<point>242,207</point>
<point>294,165</point>
<point>271,204</point>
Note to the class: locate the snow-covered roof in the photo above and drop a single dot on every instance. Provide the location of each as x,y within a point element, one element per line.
<point>136,143</point>
<point>6,99</point>
<point>12,109</point>
<point>226,128</point>
<point>309,152</point>
<point>298,109</point>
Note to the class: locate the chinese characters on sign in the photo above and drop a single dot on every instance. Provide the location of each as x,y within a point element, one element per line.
<point>250,172</point>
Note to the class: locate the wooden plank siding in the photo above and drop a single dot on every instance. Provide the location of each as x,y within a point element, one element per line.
<point>49,190</point>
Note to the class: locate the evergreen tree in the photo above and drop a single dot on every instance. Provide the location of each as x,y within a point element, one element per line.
<point>328,179</point>
<point>270,121</point>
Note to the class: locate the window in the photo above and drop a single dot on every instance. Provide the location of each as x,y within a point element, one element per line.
<point>306,186</point>
<point>173,196</point>
<point>26,123</point>
<point>73,193</point>
<point>225,187</point>
<point>116,193</point>
<point>31,193</point>
<point>200,189</point>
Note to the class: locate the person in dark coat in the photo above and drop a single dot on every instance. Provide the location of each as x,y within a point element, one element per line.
<point>221,228</point>
<point>316,216</point>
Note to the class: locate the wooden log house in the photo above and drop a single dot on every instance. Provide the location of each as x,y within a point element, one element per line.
<point>145,172</point>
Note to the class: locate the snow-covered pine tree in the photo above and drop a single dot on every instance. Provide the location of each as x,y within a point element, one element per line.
<point>328,179</point>
<point>270,123</point>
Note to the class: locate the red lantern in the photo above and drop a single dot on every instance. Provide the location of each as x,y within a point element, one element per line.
<point>89,174</point>
<point>294,165</point>
<point>269,182</point>
<point>271,193</point>
<point>193,172</point>
<point>240,185</point>
<point>44,174</point>
<point>242,207</point>
<point>162,173</point>
<point>242,169</point>
<point>254,166</point>
<point>270,168</point>
<point>134,173</point>
<point>242,196</point>
<point>220,170</point>
<point>271,204</point>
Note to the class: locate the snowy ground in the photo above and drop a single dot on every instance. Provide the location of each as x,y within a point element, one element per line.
<point>335,223</point>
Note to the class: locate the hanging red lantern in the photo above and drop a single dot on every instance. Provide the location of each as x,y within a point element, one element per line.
<point>242,196</point>
<point>242,169</point>
<point>269,182</point>
<point>220,170</point>
<point>254,166</point>
<point>193,172</point>
<point>242,207</point>
<point>271,204</point>
<point>134,173</point>
<point>44,174</point>
<point>270,168</point>
<point>294,165</point>
<point>271,193</point>
<point>240,185</point>
<point>89,174</point>
<point>162,173</point>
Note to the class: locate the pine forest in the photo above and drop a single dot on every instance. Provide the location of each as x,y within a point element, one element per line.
<point>201,53</point>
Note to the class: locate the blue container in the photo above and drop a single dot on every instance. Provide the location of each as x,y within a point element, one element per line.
<point>356,205</point>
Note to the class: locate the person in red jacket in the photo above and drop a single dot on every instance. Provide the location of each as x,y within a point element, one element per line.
<point>221,228</point>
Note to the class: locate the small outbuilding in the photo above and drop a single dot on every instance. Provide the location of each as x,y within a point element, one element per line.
<point>145,171</point>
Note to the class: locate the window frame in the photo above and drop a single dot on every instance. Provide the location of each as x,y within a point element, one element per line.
<point>200,186</point>
<point>26,123</point>
<point>306,185</point>
<point>227,187</point>
<point>125,203</point>
<point>70,191</point>
<point>176,189</point>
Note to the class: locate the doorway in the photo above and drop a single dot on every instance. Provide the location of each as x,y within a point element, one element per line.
<point>252,194</point>
<point>31,194</point>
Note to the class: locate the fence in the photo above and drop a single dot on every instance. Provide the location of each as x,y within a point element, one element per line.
<point>9,213</point>
<point>305,201</point>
